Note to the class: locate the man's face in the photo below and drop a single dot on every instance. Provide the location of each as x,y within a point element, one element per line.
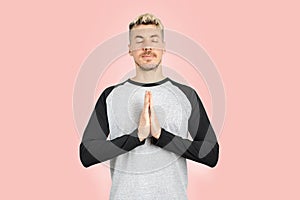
<point>146,46</point>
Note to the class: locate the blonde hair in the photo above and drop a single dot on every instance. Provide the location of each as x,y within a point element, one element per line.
<point>146,19</point>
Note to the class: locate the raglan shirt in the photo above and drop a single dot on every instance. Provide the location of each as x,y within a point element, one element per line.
<point>152,168</point>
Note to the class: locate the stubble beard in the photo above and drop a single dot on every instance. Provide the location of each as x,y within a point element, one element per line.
<point>148,67</point>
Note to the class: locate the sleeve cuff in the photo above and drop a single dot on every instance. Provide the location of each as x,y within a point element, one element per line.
<point>136,139</point>
<point>164,138</point>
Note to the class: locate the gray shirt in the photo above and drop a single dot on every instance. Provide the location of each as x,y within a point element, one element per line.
<point>152,168</point>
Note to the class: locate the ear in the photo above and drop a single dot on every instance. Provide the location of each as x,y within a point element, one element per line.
<point>129,51</point>
<point>164,46</point>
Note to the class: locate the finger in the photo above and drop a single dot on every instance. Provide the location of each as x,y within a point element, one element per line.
<point>146,100</point>
<point>150,103</point>
<point>152,106</point>
<point>148,96</point>
<point>150,99</point>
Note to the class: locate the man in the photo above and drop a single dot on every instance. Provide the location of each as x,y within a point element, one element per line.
<point>154,124</point>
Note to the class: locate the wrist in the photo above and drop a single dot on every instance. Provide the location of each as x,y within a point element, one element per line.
<point>156,136</point>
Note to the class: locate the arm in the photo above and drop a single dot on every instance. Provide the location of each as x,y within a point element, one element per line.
<point>204,147</point>
<point>94,147</point>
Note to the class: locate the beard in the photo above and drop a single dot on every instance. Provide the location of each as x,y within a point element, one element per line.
<point>148,67</point>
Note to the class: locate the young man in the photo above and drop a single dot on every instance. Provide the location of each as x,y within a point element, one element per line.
<point>150,119</point>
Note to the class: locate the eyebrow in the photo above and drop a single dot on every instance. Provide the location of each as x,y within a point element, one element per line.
<point>152,36</point>
<point>138,36</point>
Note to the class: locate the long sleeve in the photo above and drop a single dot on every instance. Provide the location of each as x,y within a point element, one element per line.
<point>94,147</point>
<point>204,147</point>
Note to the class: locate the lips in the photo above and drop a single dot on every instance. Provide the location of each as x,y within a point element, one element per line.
<point>148,56</point>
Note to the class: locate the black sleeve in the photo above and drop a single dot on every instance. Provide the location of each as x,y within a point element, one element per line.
<point>94,147</point>
<point>204,147</point>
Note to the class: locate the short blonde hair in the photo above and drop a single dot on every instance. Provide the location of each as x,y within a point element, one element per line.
<point>146,19</point>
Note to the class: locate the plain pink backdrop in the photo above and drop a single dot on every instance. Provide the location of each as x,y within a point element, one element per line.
<point>254,44</point>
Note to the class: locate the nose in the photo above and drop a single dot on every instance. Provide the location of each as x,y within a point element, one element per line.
<point>147,48</point>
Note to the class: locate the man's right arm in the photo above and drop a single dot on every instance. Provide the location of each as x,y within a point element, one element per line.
<point>94,147</point>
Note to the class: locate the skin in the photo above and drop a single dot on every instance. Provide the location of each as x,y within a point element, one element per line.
<point>148,124</point>
<point>147,48</point>
<point>146,53</point>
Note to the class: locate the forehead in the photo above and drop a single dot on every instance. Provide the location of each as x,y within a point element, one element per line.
<point>145,30</point>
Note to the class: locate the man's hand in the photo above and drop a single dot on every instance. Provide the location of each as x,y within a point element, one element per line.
<point>155,128</point>
<point>144,124</point>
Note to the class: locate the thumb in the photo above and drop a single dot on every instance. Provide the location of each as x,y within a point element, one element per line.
<point>151,105</point>
<point>146,101</point>
<point>152,113</point>
<point>150,100</point>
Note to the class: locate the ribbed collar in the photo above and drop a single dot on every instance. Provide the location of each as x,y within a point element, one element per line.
<point>148,84</point>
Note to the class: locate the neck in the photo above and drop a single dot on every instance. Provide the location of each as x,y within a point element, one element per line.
<point>150,76</point>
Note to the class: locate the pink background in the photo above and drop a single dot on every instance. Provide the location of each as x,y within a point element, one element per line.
<point>255,45</point>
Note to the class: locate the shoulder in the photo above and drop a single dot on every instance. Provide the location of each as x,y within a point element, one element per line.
<point>109,89</point>
<point>104,94</point>
<point>186,89</point>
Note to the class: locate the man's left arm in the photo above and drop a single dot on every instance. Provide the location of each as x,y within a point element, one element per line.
<point>204,147</point>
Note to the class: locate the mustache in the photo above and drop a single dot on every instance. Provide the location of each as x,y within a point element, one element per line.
<point>148,53</point>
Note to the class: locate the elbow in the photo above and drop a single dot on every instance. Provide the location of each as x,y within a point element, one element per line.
<point>209,155</point>
<point>86,158</point>
<point>214,156</point>
<point>83,161</point>
<point>85,164</point>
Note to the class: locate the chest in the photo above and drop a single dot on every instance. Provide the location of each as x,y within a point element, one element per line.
<point>124,108</point>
